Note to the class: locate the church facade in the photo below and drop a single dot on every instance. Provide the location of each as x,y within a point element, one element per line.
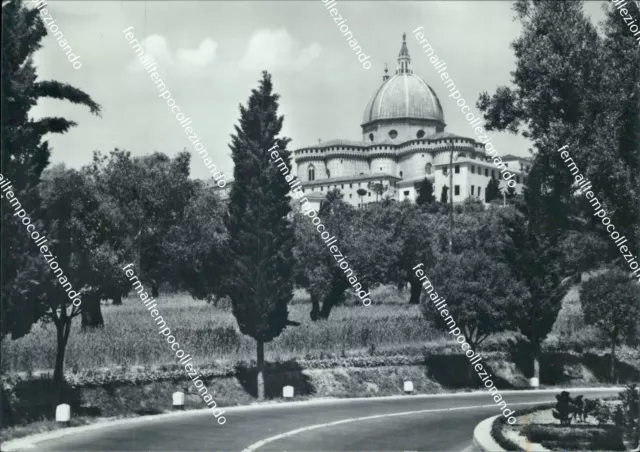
<point>403,142</point>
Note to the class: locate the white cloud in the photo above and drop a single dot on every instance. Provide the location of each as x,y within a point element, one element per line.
<point>200,57</point>
<point>187,61</point>
<point>276,49</point>
<point>197,61</point>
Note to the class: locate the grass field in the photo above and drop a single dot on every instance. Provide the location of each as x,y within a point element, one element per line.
<point>130,335</point>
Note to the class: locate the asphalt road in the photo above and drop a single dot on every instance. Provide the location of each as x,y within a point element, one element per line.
<point>411,423</point>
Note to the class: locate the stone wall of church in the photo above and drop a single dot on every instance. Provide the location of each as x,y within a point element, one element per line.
<point>406,129</point>
<point>413,165</point>
<point>383,165</point>
<point>459,146</point>
<point>361,167</point>
<point>319,167</point>
<point>341,167</point>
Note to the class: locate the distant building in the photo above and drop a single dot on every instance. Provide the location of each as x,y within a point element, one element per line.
<point>403,142</point>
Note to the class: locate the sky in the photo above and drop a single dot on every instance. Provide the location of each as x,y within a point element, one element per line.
<point>210,56</point>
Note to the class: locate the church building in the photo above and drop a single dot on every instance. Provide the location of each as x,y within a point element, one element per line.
<point>403,142</point>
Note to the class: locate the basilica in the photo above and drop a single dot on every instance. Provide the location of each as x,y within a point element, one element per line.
<point>403,142</point>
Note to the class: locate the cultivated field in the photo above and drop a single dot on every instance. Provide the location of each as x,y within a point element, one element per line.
<point>130,336</point>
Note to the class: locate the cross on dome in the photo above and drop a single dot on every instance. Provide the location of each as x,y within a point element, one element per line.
<point>385,77</point>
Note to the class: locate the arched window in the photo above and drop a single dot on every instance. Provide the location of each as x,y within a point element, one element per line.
<point>311,172</point>
<point>371,137</point>
<point>420,133</point>
<point>428,168</point>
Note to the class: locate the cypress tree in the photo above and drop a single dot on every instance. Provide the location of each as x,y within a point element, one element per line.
<point>259,271</point>
<point>443,195</point>
<point>492,191</point>
<point>426,193</point>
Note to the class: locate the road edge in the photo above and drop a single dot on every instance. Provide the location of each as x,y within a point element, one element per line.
<point>482,440</point>
<point>28,442</point>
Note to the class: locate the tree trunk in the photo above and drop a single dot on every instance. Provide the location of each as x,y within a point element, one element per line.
<point>260,369</point>
<point>315,308</point>
<point>63,328</point>
<point>470,373</point>
<point>7,412</point>
<point>613,361</point>
<point>332,298</point>
<point>327,305</point>
<point>91,313</point>
<point>470,370</point>
<point>117,298</point>
<point>416,288</point>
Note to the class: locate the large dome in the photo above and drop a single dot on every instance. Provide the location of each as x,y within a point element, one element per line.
<point>403,95</point>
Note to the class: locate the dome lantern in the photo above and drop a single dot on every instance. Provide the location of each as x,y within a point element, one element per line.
<point>404,59</point>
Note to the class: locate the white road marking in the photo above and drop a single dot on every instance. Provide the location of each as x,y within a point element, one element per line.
<point>271,439</point>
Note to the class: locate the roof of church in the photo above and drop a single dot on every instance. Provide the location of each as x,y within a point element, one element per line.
<point>329,143</point>
<point>315,195</point>
<point>366,144</point>
<point>403,95</point>
<point>442,135</point>
<point>353,178</point>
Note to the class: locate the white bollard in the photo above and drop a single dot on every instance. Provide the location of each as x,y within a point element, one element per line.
<point>178,400</point>
<point>63,413</point>
<point>408,386</point>
<point>534,382</point>
<point>287,392</point>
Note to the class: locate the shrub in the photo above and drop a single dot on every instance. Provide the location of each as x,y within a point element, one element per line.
<point>563,408</point>
<point>627,415</point>
<point>584,437</point>
<point>602,413</point>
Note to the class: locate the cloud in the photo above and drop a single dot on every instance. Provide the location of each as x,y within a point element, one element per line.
<point>200,57</point>
<point>186,61</point>
<point>195,61</point>
<point>276,49</point>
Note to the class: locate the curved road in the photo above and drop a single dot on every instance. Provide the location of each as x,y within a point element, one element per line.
<point>432,423</point>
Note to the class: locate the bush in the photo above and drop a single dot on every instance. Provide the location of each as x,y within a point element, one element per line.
<point>563,408</point>
<point>602,413</point>
<point>627,415</point>
<point>583,437</point>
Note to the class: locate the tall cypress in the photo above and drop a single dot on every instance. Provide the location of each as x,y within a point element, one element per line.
<point>492,191</point>
<point>426,193</point>
<point>259,271</point>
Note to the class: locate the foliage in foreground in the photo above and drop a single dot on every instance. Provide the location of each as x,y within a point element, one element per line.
<point>627,415</point>
<point>27,291</point>
<point>611,301</point>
